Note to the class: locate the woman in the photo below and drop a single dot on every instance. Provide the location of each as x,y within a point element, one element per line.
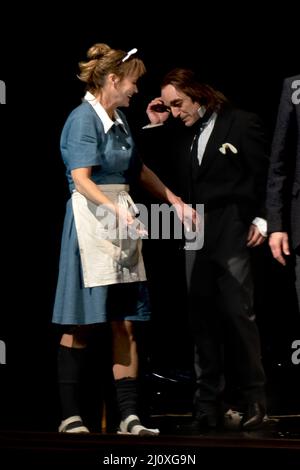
<point>101,275</point>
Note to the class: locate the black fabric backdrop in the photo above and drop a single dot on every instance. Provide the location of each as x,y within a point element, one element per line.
<point>245,60</point>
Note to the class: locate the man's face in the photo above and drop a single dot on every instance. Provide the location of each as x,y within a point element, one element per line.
<point>181,105</point>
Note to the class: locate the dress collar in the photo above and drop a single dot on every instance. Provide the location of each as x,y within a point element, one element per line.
<point>105,119</point>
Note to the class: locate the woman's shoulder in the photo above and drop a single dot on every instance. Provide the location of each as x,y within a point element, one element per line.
<point>82,115</point>
<point>83,109</point>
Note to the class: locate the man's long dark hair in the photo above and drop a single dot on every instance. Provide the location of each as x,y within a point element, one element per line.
<point>186,81</point>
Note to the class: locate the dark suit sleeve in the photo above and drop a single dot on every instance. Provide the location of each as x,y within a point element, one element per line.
<point>157,152</point>
<point>278,170</point>
<point>256,153</point>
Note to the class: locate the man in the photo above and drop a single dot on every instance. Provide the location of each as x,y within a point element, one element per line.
<point>220,160</point>
<point>283,190</point>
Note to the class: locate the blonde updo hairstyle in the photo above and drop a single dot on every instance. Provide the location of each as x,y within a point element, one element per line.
<point>103,60</point>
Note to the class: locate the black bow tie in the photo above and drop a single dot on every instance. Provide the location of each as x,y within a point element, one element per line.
<point>196,129</point>
<point>202,122</point>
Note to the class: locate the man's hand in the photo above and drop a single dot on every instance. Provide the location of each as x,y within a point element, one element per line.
<point>279,244</point>
<point>254,238</point>
<point>156,117</point>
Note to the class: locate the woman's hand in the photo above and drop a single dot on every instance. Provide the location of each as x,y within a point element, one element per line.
<point>187,215</point>
<point>129,223</point>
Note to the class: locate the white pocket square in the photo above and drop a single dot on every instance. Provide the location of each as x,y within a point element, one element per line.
<point>224,147</point>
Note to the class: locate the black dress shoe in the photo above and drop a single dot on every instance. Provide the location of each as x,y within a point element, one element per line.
<point>199,426</point>
<point>254,416</point>
<point>207,418</point>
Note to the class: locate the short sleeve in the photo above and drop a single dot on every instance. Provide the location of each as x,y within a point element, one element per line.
<point>80,141</point>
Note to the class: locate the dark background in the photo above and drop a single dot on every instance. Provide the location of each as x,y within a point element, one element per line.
<point>246,55</point>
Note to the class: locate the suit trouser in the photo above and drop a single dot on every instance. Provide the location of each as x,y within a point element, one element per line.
<point>297,274</point>
<point>220,292</point>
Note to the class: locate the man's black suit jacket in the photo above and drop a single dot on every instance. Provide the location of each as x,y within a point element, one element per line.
<point>221,179</point>
<point>283,193</point>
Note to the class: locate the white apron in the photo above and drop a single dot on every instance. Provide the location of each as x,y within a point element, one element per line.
<point>106,257</point>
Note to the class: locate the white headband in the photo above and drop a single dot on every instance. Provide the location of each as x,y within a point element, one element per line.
<point>132,51</point>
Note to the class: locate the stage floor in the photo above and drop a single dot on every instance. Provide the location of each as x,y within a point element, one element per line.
<point>277,444</point>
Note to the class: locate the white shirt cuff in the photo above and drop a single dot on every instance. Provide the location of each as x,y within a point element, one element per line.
<point>262,226</point>
<point>148,126</point>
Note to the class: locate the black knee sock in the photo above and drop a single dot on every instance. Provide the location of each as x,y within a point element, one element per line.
<point>70,364</point>
<point>127,396</point>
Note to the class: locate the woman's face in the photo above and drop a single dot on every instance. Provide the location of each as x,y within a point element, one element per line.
<point>126,88</point>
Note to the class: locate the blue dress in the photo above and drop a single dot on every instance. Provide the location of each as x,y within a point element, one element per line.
<point>114,160</point>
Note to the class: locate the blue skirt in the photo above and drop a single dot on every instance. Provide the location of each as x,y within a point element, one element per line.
<point>78,305</point>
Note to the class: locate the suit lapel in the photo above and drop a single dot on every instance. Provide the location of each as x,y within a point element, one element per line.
<point>217,138</point>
